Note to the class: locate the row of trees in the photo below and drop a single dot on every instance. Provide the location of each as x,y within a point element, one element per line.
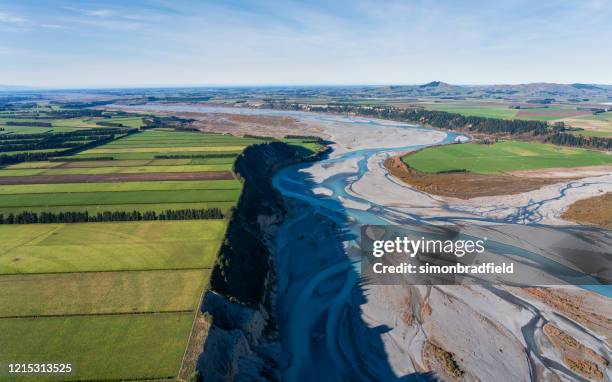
<point>168,121</point>
<point>27,157</point>
<point>312,138</point>
<point>84,159</point>
<point>83,105</point>
<point>262,138</point>
<point>28,123</point>
<point>36,146</point>
<point>27,217</point>
<point>109,124</point>
<point>565,139</point>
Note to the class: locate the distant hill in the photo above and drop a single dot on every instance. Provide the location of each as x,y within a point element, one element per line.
<point>436,84</point>
<point>586,86</point>
<point>533,91</point>
<point>9,88</point>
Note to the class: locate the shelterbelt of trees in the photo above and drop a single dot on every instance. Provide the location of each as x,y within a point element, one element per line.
<point>26,112</point>
<point>565,139</point>
<point>22,147</point>
<point>109,216</point>
<point>556,134</point>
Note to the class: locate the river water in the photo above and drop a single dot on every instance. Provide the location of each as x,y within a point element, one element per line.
<point>320,293</point>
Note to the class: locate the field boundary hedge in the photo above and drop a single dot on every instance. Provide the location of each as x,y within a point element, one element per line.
<point>27,217</point>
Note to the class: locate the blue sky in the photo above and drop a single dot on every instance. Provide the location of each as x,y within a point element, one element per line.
<point>163,42</point>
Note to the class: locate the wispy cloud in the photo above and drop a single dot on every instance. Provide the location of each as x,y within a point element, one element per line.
<point>100,12</point>
<point>52,26</point>
<point>11,19</point>
<point>103,12</point>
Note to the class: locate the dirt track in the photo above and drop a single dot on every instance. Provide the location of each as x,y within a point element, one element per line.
<point>102,178</point>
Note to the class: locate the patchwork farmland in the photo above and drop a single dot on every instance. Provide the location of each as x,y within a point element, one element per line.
<point>116,292</point>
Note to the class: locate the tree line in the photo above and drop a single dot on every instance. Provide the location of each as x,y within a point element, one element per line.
<point>83,159</point>
<point>27,217</point>
<point>27,157</point>
<point>309,138</point>
<point>565,139</point>
<point>109,124</point>
<point>555,134</point>
<point>178,123</point>
<point>28,123</point>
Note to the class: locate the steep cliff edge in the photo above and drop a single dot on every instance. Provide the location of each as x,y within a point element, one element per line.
<point>241,343</point>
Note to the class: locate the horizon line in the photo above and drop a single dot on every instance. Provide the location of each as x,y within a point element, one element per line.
<point>266,85</point>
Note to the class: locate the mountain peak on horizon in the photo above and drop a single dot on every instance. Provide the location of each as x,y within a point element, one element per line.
<point>436,84</point>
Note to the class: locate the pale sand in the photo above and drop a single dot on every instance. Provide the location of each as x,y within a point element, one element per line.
<point>543,206</point>
<point>365,136</point>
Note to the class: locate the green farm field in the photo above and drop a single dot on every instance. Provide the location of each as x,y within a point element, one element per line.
<point>595,133</point>
<point>24,129</point>
<point>119,163</point>
<point>502,157</point>
<point>166,149</point>
<point>117,197</point>
<point>597,125</point>
<point>152,143</point>
<point>503,111</point>
<point>101,292</point>
<point>232,184</point>
<point>111,347</point>
<point>117,170</point>
<point>149,155</point>
<point>474,111</point>
<point>87,247</point>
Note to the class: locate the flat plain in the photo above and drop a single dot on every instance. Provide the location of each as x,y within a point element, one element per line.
<point>502,157</point>
<point>110,347</point>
